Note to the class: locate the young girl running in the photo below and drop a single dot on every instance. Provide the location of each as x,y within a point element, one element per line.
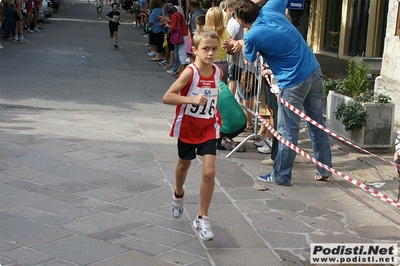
<point>196,125</point>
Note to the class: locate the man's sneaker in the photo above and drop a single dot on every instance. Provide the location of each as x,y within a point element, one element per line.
<point>269,178</point>
<point>36,29</point>
<point>266,178</point>
<point>320,177</point>
<point>116,45</point>
<point>203,225</point>
<point>30,31</point>
<point>264,149</point>
<point>16,39</point>
<point>176,206</point>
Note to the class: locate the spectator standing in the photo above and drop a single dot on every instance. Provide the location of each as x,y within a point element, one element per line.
<point>236,33</point>
<point>215,22</point>
<point>9,23</point>
<point>299,79</point>
<point>196,125</point>
<point>114,19</point>
<point>200,21</point>
<point>176,19</point>
<point>56,5</point>
<point>156,35</point>
<point>32,14</point>
<point>19,28</point>
<point>195,10</point>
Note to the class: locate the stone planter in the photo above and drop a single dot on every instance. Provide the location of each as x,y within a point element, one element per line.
<point>378,131</point>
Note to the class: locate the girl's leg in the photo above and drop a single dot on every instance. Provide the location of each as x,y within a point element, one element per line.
<point>116,36</point>
<point>207,183</point>
<point>181,170</point>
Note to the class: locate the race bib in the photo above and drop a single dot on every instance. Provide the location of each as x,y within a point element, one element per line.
<point>208,110</point>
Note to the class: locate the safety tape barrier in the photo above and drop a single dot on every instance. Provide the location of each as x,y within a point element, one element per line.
<point>310,120</point>
<point>357,183</point>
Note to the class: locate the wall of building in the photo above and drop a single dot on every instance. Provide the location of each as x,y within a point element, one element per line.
<point>389,80</point>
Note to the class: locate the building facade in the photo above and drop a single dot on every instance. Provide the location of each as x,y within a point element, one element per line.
<point>369,28</point>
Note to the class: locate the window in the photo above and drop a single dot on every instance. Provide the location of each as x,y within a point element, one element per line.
<point>398,20</point>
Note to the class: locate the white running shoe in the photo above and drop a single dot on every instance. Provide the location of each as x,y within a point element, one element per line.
<point>30,31</point>
<point>264,149</point>
<point>261,143</point>
<point>36,29</point>
<point>203,225</point>
<point>176,206</point>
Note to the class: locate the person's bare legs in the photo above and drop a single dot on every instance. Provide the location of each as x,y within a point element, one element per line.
<point>207,184</point>
<point>115,36</point>
<point>232,86</point>
<point>29,17</point>
<point>249,104</point>
<point>181,170</point>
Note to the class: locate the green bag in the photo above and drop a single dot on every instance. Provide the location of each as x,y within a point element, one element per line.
<point>233,116</point>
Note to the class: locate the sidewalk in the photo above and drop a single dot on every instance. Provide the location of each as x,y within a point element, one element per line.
<point>95,190</point>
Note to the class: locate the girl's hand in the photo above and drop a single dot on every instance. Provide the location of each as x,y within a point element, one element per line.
<point>200,99</point>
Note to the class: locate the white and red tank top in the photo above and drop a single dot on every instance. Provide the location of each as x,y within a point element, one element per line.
<point>194,124</point>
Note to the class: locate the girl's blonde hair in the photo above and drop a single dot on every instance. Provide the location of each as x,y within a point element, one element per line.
<point>215,20</point>
<point>202,34</point>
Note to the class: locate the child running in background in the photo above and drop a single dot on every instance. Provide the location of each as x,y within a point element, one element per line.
<point>114,20</point>
<point>196,125</point>
<point>136,12</point>
<point>99,8</point>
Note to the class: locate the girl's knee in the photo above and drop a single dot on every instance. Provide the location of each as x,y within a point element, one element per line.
<point>208,174</point>
<point>183,165</point>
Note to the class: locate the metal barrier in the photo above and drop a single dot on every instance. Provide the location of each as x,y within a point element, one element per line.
<point>249,86</point>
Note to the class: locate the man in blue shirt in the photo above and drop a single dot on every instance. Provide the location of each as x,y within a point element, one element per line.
<point>298,76</point>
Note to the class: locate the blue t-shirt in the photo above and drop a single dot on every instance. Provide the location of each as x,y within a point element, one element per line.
<point>281,45</point>
<point>155,22</point>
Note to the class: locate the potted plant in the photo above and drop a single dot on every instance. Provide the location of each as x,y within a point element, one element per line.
<point>355,112</point>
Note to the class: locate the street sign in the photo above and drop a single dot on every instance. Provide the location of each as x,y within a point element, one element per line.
<point>295,4</point>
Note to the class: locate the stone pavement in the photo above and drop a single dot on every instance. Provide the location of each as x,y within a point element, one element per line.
<point>81,189</point>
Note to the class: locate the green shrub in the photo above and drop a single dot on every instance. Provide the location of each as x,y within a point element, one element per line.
<point>357,86</point>
<point>352,115</point>
<point>356,81</point>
